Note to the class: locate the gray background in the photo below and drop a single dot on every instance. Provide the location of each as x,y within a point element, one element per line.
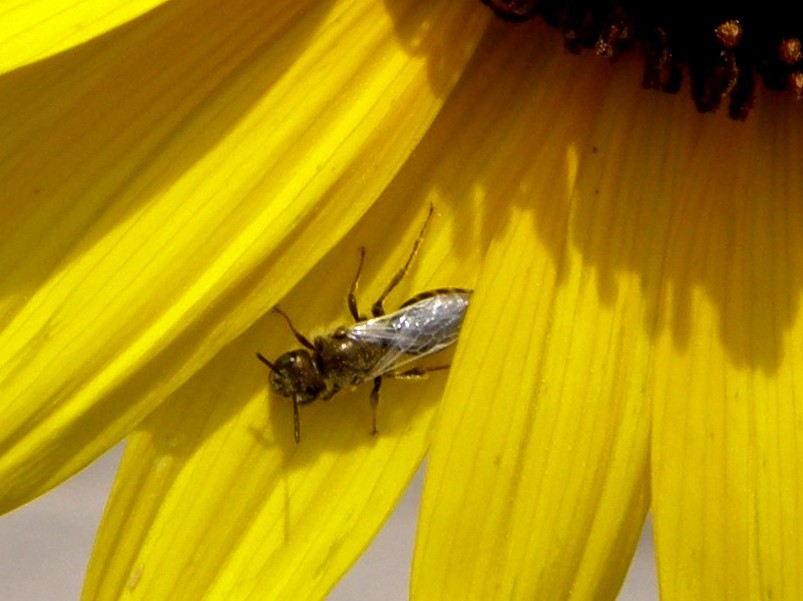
<point>44,547</point>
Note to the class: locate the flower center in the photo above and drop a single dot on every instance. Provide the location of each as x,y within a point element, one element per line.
<point>721,46</point>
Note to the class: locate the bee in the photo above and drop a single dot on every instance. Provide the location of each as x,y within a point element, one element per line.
<point>372,348</point>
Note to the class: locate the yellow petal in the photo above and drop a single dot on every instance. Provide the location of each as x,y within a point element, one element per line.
<point>183,185</point>
<point>538,482</point>
<point>215,500</point>
<point>32,30</point>
<point>728,438</point>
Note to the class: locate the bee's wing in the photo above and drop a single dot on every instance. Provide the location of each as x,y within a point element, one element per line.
<point>395,358</point>
<point>414,331</point>
<point>392,361</point>
<point>397,344</point>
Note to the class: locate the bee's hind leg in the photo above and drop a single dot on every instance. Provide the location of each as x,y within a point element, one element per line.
<point>378,307</point>
<point>416,373</point>
<point>352,297</point>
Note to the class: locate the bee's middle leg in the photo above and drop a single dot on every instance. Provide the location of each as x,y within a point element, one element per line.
<point>375,402</point>
<point>416,373</point>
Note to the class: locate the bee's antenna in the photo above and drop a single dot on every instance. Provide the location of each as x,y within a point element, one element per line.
<point>296,421</point>
<point>262,358</point>
<point>299,336</point>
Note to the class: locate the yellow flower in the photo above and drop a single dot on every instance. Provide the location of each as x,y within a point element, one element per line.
<point>631,343</point>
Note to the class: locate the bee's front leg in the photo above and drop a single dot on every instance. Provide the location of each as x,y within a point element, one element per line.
<point>330,392</point>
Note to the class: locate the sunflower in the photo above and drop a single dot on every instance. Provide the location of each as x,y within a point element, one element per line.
<point>172,171</point>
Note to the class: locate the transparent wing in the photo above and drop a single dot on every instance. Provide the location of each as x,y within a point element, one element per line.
<point>425,325</point>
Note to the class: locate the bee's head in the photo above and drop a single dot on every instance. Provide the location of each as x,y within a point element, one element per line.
<point>295,375</point>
